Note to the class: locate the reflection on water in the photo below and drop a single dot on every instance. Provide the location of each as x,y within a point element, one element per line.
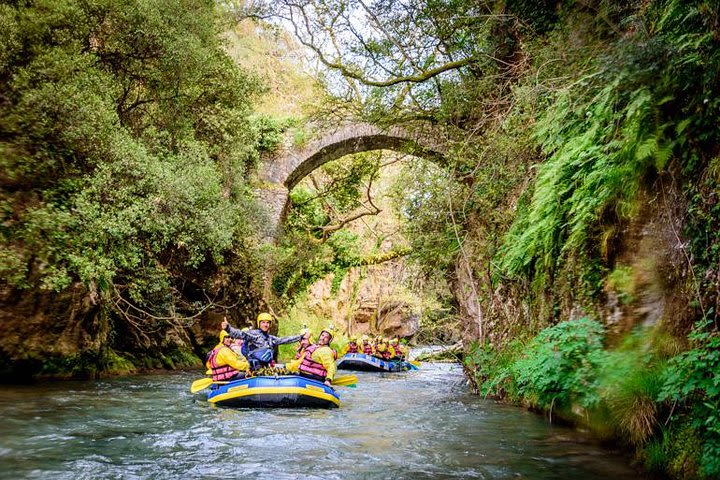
<point>420,424</point>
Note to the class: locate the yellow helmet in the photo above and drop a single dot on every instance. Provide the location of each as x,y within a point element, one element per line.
<point>393,340</point>
<point>329,329</point>
<point>264,317</point>
<point>223,334</point>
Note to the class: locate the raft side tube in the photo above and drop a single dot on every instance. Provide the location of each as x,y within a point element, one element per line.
<point>286,391</point>
<point>369,363</point>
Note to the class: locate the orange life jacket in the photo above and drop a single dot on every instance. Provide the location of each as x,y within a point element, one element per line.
<point>308,365</point>
<point>220,372</point>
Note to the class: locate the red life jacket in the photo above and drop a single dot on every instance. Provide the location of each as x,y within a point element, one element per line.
<point>299,352</point>
<point>352,348</point>
<point>308,365</point>
<point>386,354</point>
<point>220,372</point>
<point>367,349</point>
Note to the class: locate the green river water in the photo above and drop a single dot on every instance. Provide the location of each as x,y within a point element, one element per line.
<point>415,425</point>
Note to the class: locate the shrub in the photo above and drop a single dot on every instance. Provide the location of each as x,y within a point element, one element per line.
<point>560,366</point>
<point>630,382</point>
<point>692,380</point>
<point>493,368</point>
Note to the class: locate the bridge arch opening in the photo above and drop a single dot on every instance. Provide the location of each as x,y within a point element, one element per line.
<point>281,173</point>
<point>388,296</point>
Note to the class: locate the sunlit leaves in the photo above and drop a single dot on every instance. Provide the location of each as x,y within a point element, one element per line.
<point>127,127</point>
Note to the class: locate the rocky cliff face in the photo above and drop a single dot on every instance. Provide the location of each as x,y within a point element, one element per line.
<point>41,329</point>
<point>650,279</point>
<point>643,277</point>
<point>72,335</point>
<point>368,301</point>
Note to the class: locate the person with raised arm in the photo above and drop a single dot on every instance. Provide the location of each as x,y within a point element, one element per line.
<point>318,362</point>
<point>260,345</point>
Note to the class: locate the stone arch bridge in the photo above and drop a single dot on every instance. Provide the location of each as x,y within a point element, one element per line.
<point>280,173</point>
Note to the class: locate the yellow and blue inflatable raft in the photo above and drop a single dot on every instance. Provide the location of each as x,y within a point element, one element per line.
<point>285,391</point>
<point>369,363</point>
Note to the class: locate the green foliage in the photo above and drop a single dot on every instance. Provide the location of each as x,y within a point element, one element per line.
<point>89,364</point>
<point>179,358</point>
<point>693,379</point>
<point>299,137</point>
<point>270,131</point>
<point>599,156</point>
<point>312,247</point>
<point>422,194</point>
<point>630,379</point>
<point>559,366</point>
<point>306,213</point>
<point>610,131</point>
<point>116,364</point>
<point>539,14</point>
<point>126,136</point>
<point>12,267</point>
<point>305,262</point>
<point>676,453</point>
<point>494,369</point>
<point>557,369</point>
<point>654,457</point>
<point>621,281</point>
<point>623,391</point>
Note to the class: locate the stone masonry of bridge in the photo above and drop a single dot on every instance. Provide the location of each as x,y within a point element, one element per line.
<point>280,173</point>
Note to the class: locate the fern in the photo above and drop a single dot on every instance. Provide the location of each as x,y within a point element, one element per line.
<point>603,136</point>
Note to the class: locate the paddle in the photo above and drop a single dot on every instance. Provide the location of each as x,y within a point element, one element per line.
<point>410,365</point>
<point>345,381</point>
<point>203,383</point>
<point>200,384</point>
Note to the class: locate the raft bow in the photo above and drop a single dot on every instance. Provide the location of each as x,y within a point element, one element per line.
<point>286,391</point>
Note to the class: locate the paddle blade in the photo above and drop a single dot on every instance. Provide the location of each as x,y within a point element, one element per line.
<point>345,380</point>
<point>414,363</point>
<point>201,384</point>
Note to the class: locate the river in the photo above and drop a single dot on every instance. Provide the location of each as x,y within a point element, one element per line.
<point>420,424</point>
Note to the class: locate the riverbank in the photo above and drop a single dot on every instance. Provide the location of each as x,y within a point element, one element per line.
<point>95,365</point>
<point>641,393</point>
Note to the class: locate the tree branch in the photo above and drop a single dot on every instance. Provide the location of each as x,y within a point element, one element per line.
<point>348,72</point>
<point>328,229</point>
